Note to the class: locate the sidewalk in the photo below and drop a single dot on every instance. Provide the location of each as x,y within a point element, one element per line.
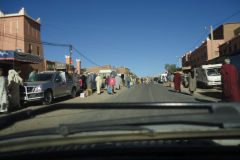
<point>208,94</point>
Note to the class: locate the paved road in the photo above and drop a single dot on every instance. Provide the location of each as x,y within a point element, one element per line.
<point>138,93</point>
<point>156,93</point>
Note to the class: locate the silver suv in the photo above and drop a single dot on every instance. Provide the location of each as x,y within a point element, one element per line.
<point>49,85</point>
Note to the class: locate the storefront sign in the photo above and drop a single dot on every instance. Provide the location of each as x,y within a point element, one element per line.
<point>60,65</point>
<point>6,55</point>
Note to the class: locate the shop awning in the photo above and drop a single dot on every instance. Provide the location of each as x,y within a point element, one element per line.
<point>18,56</point>
<point>186,68</point>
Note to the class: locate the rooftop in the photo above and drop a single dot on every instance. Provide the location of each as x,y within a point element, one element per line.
<point>22,12</point>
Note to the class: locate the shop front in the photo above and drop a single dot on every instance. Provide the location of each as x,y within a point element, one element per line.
<point>20,61</point>
<point>64,67</point>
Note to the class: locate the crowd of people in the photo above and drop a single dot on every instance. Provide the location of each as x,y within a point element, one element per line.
<point>229,78</point>
<point>10,85</point>
<point>110,83</point>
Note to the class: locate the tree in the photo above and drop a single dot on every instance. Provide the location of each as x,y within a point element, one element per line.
<point>171,68</point>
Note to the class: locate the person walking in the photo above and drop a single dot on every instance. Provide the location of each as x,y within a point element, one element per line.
<point>14,82</point>
<point>118,82</point>
<point>177,81</point>
<point>98,83</point>
<point>112,83</point>
<point>32,76</point>
<point>192,81</point>
<point>3,93</point>
<point>230,85</point>
<point>128,81</point>
<point>171,79</point>
<point>107,82</point>
<point>89,81</point>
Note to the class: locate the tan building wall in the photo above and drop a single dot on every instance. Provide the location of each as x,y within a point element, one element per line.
<point>19,31</point>
<point>230,47</point>
<point>123,70</point>
<point>108,67</point>
<point>203,54</point>
<point>225,31</point>
<point>229,30</point>
<point>186,59</point>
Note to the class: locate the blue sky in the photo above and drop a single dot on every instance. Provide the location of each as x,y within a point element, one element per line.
<point>143,35</point>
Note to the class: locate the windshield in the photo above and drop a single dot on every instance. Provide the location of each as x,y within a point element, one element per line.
<point>44,77</point>
<point>213,72</point>
<point>118,61</point>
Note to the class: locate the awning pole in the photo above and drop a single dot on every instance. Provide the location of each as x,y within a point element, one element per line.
<point>13,60</point>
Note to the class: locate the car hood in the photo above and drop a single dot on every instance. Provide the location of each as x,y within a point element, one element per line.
<point>37,83</point>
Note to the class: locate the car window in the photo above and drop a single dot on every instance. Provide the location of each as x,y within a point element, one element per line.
<point>58,77</point>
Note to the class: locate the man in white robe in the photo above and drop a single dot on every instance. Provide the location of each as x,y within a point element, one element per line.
<point>14,82</point>
<point>99,84</point>
<point>3,93</point>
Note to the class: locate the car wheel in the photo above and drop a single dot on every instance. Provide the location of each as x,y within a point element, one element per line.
<point>73,93</point>
<point>48,97</point>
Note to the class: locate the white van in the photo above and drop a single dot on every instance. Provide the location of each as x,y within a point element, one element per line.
<point>209,75</point>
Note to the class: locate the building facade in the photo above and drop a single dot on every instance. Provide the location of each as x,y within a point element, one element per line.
<point>20,32</point>
<point>122,70</point>
<point>231,47</point>
<point>204,54</point>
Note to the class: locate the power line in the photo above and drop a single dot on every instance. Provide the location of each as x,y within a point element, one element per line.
<point>81,54</point>
<point>220,22</point>
<point>33,41</point>
<point>227,18</point>
<point>200,39</point>
<point>47,43</point>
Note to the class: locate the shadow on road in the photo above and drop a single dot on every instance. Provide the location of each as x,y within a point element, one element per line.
<point>180,92</point>
<point>217,95</point>
<point>39,103</point>
<point>203,100</point>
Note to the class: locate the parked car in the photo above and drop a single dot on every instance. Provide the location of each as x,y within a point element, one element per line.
<point>209,75</point>
<point>47,86</point>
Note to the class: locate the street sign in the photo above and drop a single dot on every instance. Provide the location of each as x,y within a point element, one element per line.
<point>72,62</point>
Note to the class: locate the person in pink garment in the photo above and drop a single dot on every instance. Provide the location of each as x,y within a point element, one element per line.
<point>112,83</point>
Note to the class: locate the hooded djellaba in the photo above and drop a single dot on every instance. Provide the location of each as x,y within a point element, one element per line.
<point>192,81</point>
<point>230,84</point>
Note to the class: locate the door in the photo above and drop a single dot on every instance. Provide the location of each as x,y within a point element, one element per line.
<point>58,86</point>
<point>69,84</point>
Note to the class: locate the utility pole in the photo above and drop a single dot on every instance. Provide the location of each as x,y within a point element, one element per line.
<point>179,61</point>
<point>70,50</point>
<point>212,43</point>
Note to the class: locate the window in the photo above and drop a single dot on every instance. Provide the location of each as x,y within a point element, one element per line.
<point>30,48</point>
<point>38,51</point>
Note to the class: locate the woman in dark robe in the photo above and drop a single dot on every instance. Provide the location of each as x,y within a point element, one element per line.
<point>177,81</point>
<point>230,86</point>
